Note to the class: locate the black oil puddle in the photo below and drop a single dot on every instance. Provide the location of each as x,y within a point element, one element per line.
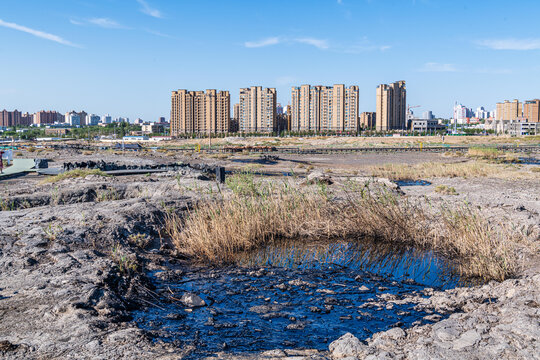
<point>412,182</point>
<point>528,161</point>
<point>294,296</point>
<point>266,173</point>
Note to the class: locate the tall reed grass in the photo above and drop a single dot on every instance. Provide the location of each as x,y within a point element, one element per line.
<point>257,213</point>
<point>469,169</point>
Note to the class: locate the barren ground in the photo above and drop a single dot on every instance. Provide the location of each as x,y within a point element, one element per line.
<point>62,294</point>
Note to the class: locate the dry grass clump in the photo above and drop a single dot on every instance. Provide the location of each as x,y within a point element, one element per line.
<point>453,154</point>
<point>72,174</point>
<point>484,153</point>
<point>446,190</point>
<point>220,156</point>
<point>257,214</point>
<point>433,169</point>
<point>484,249</point>
<point>469,169</point>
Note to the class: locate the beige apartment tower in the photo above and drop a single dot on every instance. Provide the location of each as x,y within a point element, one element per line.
<point>257,109</point>
<point>509,110</point>
<point>200,112</point>
<point>531,110</point>
<point>324,108</point>
<point>391,107</point>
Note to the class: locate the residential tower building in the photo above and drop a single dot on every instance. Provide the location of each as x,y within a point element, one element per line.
<point>257,109</point>
<point>509,110</point>
<point>200,112</point>
<point>531,110</point>
<point>45,117</point>
<point>391,106</point>
<point>324,108</point>
<point>10,118</point>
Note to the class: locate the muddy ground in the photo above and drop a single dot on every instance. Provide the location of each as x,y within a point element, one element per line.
<point>64,249</point>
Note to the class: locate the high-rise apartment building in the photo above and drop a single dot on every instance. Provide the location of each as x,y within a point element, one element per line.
<point>324,108</point>
<point>27,119</point>
<point>10,118</point>
<point>200,112</point>
<point>367,120</point>
<point>509,110</point>
<point>92,120</point>
<point>73,118</point>
<point>531,110</point>
<point>257,109</point>
<point>391,106</point>
<point>45,117</point>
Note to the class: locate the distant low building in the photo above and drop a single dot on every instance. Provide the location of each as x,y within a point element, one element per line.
<point>367,120</point>
<point>426,125</point>
<point>56,131</point>
<point>152,128</point>
<point>135,138</point>
<point>161,138</point>
<point>516,128</point>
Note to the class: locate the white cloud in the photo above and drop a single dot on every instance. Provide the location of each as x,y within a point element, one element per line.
<point>274,40</point>
<point>157,33</point>
<point>146,9</point>
<point>106,23</point>
<point>261,43</point>
<point>437,67</point>
<point>511,44</point>
<point>364,46</point>
<point>318,43</point>
<point>37,33</point>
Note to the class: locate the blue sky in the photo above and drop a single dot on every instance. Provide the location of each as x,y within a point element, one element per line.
<point>125,56</point>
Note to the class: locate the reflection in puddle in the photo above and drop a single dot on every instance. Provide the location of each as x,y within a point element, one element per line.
<point>384,259</point>
<point>528,161</point>
<point>412,182</point>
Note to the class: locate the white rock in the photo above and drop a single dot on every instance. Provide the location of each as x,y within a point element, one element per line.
<point>192,300</point>
<point>468,338</point>
<point>346,346</point>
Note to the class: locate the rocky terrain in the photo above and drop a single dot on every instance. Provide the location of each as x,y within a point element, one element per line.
<point>75,257</point>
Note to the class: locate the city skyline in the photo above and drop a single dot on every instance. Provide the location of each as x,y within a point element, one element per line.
<point>124,57</point>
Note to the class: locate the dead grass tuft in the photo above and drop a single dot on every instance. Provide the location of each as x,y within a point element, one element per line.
<point>437,169</point>
<point>483,153</point>
<point>77,173</point>
<point>446,190</point>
